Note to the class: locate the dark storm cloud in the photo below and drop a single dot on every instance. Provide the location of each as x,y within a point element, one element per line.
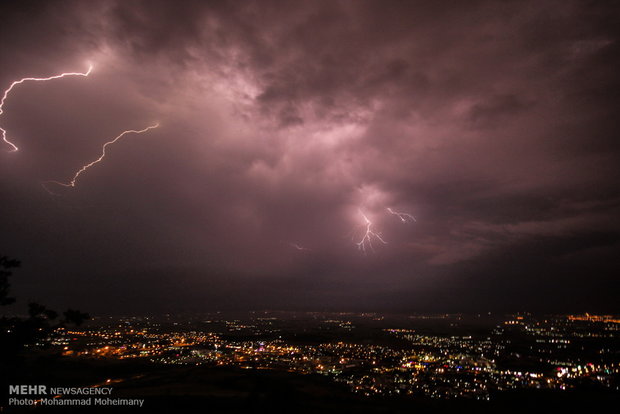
<point>492,122</point>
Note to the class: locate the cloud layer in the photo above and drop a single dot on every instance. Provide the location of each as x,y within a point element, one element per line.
<point>494,124</point>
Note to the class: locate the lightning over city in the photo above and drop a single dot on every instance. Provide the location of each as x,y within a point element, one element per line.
<point>404,217</point>
<point>18,82</point>
<point>73,181</point>
<point>310,206</point>
<point>368,235</point>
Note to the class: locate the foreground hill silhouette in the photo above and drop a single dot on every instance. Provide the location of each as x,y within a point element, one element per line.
<point>19,336</point>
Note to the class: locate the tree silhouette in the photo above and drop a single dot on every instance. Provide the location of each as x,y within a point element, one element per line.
<point>17,333</point>
<point>6,265</point>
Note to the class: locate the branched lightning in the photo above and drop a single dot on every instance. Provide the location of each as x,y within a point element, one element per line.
<point>366,240</point>
<point>404,217</point>
<point>18,82</point>
<point>73,181</point>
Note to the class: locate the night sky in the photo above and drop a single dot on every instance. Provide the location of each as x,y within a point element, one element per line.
<point>282,124</point>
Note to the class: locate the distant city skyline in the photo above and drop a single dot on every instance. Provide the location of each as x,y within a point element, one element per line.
<point>431,356</point>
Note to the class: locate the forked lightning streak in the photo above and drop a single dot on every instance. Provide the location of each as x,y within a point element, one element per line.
<point>18,82</point>
<point>73,181</point>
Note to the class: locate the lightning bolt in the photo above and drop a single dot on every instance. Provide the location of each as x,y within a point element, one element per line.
<point>298,246</point>
<point>404,217</point>
<point>366,240</point>
<point>73,181</point>
<point>19,82</point>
